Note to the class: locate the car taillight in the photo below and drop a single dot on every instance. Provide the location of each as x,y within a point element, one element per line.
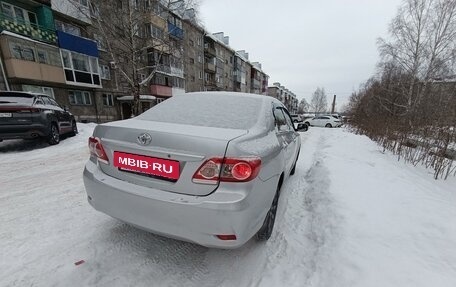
<point>97,150</point>
<point>228,170</point>
<point>29,110</point>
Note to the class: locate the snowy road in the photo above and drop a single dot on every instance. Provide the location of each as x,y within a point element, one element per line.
<point>350,216</point>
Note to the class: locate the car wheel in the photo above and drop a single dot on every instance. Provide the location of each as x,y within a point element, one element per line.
<point>54,136</point>
<point>265,231</point>
<point>307,124</point>
<point>328,126</point>
<point>74,129</point>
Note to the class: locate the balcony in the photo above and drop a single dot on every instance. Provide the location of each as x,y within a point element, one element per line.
<point>209,67</point>
<point>77,44</point>
<point>175,31</point>
<point>210,50</point>
<point>30,30</point>
<point>161,91</point>
<point>45,2</point>
<point>161,68</point>
<point>210,82</point>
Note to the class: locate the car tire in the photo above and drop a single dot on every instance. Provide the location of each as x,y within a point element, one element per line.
<point>328,126</point>
<point>265,231</point>
<point>53,137</point>
<point>74,129</point>
<point>307,124</point>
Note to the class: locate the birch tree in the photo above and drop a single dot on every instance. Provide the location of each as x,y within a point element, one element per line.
<point>421,47</point>
<point>319,102</point>
<point>303,106</point>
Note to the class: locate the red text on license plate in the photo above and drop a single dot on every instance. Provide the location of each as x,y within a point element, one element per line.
<point>146,164</point>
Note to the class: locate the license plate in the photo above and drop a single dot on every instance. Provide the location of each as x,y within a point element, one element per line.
<point>6,115</point>
<point>147,165</point>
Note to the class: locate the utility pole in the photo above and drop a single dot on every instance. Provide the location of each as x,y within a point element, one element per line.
<point>333,108</point>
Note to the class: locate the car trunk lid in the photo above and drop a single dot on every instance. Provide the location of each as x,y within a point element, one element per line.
<point>13,114</point>
<point>188,146</point>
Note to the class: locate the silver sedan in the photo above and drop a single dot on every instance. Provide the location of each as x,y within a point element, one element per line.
<point>201,167</point>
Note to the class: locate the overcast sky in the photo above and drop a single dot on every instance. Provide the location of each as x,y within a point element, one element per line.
<point>305,44</point>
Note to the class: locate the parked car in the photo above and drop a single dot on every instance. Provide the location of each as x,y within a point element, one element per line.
<point>296,118</point>
<point>27,116</point>
<point>323,121</point>
<point>202,167</point>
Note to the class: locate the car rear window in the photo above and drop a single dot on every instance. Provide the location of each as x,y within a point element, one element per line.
<point>15,98</point>
<point>211,110</point>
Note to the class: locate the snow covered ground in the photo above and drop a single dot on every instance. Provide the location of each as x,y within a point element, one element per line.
<point>350,216</point>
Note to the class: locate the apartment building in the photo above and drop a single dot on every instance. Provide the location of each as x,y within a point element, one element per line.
<point>284,95</point>
<point>60,49</point>
<point>194,67</point>
<point>259,80</point>
<point>224,62</point>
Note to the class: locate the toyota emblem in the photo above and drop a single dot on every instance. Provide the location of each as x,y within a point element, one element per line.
<point>144,139</point>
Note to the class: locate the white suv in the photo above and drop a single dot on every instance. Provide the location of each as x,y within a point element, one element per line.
<point>324,121</point>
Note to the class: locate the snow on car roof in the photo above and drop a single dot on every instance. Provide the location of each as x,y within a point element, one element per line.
<point>214,109</point>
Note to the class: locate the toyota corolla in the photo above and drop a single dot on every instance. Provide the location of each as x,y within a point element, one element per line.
<point>201,167</point>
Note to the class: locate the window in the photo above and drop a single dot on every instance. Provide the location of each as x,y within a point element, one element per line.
<point>80,68</point>
<point>100,42</point>
<point>191,43</point>
<point>80,62</point>
<point>42,56</point>
<point>38,89</point>
<point>105,73</point>
<point>18,14</point>
<point>146,5</point>
<point>192,61</point>
<point>200,58</point>
<point>199,41</point>
<point>136,4</point>
<point>53,102</point>
<point>175,21</point>
<point>200,75</point>
<point>66,56</point>
<point>280,121</point>
<point>108,100</point>
<point>67,28</point>
<point>156,32</point>
<point>80,98</point>
<point>94,11</point>
<point>119,4</point>
<point>25,50</point>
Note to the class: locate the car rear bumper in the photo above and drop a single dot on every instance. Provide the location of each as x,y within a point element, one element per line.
<point>196,219</point>
<point>29,131</point>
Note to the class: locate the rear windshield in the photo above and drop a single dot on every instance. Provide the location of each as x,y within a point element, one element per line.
<point>14,98</point>
<point>210,110</point>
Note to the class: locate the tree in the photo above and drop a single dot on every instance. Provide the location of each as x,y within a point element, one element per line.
<point>303,107</point>
<point>422,47</point>
<point>319,103</point>
<point>141,38</point>
<point>409,106</point>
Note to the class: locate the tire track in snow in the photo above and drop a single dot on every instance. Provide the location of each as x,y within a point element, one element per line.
<point>322,218</point>
<point>307,227</point>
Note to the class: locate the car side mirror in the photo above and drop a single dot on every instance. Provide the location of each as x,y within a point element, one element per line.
<point>65,108</point>
<point>302,127</point>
